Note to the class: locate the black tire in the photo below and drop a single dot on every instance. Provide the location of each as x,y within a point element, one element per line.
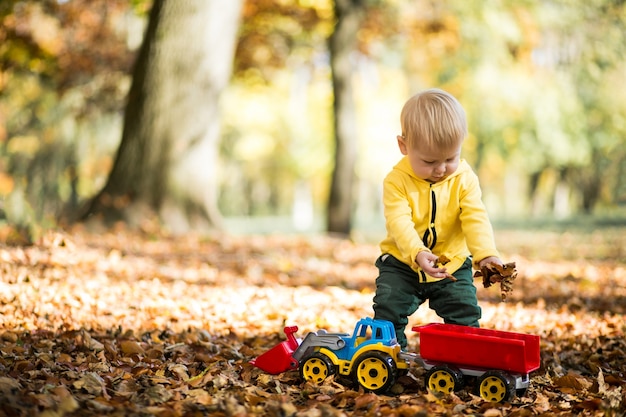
<point>316,368</point>
<point>375,371</point>
<point>444,379</point>
<point>496,386</point>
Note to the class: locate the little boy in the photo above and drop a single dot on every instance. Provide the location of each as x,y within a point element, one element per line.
<point>434,216</point>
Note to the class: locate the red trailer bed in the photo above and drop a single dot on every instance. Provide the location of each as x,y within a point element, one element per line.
<point>479,348</point>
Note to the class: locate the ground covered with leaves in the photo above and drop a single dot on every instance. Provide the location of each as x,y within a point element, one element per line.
<point>137,324</point>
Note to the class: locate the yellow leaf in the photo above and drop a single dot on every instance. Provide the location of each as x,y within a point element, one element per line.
<point>197,380</point>
<point>200,396</point>
<point>264,379</point>
<point>68,404</point>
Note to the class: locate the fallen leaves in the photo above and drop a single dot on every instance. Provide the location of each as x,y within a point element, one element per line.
<point>124,324</point>
<point>578,393</point>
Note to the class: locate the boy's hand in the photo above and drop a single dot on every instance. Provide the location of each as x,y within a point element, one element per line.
<point>428,262</point>
<point>490,260</point>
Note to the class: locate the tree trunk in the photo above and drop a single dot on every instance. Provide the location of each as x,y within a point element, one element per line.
<point>166,162</point>
<point>343,42</point>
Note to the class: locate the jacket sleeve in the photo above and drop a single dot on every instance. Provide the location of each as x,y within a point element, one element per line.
<point>475,221</point>
<point>399,220</point>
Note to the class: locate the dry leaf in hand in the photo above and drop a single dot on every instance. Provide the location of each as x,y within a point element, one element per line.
<point>492,273</point>
<point>441,261</point>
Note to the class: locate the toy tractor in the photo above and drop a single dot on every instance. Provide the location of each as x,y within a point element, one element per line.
<point>371,356</point>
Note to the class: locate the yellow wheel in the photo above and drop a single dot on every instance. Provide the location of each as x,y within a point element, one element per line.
<point>375,371</point>
<point>316,368</point>
<point>496,386</point>
<point>444,379</point>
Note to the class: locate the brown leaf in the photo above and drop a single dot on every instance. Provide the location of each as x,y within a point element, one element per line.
<point>92,383</point>
<point>492,412</point>
<point>126,388</point>
<point>365,401</point>
<point>572,380</point>
<point>131,347</point>
<point>8,384</point>
<point>9,336</point>
<point>154,395</point>
<point>591,404</point>
<point>179,370</point>
<point>200,396</point>
<point>91,343</point>
<point>442,260</point>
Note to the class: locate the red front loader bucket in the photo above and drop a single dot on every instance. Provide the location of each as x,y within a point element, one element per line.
<point>278,359</point>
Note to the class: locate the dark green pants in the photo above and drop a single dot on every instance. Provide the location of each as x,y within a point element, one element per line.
<point>399,294</point>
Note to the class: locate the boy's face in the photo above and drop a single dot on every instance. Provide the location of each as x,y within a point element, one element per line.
<point>432,165</point>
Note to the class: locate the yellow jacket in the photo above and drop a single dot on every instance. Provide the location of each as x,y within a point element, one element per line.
<point>447,218</point>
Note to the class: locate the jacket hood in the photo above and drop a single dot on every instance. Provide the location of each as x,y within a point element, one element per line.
<point>405,166</point>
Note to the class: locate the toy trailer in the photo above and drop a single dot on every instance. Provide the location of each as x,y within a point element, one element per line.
<point>500,360</point>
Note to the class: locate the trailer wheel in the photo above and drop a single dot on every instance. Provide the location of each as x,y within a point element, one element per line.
<point>444,379</point>
<point>496,386</point>
<point>316,368</point>
<point>375,372</point>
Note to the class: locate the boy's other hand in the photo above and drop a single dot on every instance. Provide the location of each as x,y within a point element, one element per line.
<point>490,260</point>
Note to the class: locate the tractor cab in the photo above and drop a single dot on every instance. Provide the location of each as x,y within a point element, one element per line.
<point>369,331</point>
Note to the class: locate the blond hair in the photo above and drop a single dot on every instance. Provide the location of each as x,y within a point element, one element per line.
<point>433,118</point>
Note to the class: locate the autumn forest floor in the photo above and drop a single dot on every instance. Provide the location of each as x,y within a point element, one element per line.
<point>136,324</point>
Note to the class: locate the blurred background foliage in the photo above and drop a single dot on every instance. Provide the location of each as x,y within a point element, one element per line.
<point>541,80</point>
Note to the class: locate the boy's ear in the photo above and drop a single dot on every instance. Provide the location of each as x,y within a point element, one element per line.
<point>402,145</point>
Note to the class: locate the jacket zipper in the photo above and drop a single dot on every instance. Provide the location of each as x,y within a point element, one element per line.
<point>430,235</point>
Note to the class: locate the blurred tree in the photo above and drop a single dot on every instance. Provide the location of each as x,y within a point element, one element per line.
<point>343,45</point>
<point>166,162</point>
